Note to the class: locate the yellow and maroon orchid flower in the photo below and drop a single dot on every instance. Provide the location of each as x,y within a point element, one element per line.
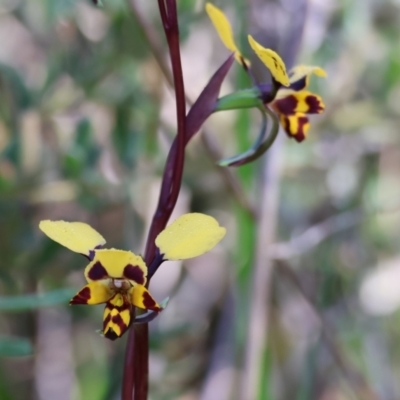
<point>294,103</point>
<point>286,95</point>
<point>270,58</point>
<point>118,278</point>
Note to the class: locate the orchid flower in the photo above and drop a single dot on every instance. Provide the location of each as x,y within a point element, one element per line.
<point>118,278</point>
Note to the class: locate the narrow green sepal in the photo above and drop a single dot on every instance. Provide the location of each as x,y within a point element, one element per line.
<point>247,98</point>
<point>260,146</point>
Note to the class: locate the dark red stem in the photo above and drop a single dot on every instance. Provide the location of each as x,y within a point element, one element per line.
<point>137,350</point>
<point>174,168</point>
<point>129,366</point>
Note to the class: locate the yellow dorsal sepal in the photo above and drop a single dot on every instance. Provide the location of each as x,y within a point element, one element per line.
<point>224,30</point>
<point>271,60</point>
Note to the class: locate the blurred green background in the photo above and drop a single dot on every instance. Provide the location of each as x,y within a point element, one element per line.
<point>86,121</point>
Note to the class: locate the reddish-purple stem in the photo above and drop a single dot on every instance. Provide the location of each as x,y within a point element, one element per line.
<point>141,346</point>
<point>137,350</point>
<point>129,366</point>
<point>174,168</point>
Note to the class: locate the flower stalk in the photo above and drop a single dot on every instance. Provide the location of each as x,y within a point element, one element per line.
<point>136,362</point>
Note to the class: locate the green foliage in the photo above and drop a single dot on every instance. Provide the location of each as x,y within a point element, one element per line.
<point>34,301</point>
<point>14,347</point>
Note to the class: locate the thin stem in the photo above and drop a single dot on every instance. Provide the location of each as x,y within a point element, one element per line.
<point>136,363</point>
<point>173,171</point>
<point>141,360</point>
<point>163,13</point>
<point>129,367</point>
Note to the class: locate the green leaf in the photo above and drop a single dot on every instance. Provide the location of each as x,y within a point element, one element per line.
<point>33,301</point>
<point>247,98</point>
<point>259,147</point>
<point>14,347</point>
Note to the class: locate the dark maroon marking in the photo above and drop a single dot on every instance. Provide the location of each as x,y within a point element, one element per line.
<point>314,105</point>
<point>111,335</point>
<point>134,273</point>
<point>81,297</point>
<point>97,272</point>
<point>300,135</point>
<point>117,319</point>
<point>149,302</point>
<point>287,105</point>
<point>285,124</point>
<point>299,84</point>
<point>122,308</point>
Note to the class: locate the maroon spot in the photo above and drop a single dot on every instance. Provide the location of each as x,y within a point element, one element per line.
<point>134,273</point>
<point>97,272</point>
<point>149,302</point>
<point>111,334</point>
<point>82,297</point>
<point>287,105</point>
<point>117,320</point>
<point>300,135</point>
<point>286,125</point>
<point>314,105</point>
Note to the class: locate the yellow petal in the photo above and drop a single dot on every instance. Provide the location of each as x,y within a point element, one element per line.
<point>141,297</point>
<point>272,61</point>
<point>296,125</point>
<point>300,76</point>
<point>224,29</point>
<point>191,235</point>
<point>300,71</point>
<point>116,264</point>
<point>94,293</point>
<point>116,317</point>
<point>76,236</point>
